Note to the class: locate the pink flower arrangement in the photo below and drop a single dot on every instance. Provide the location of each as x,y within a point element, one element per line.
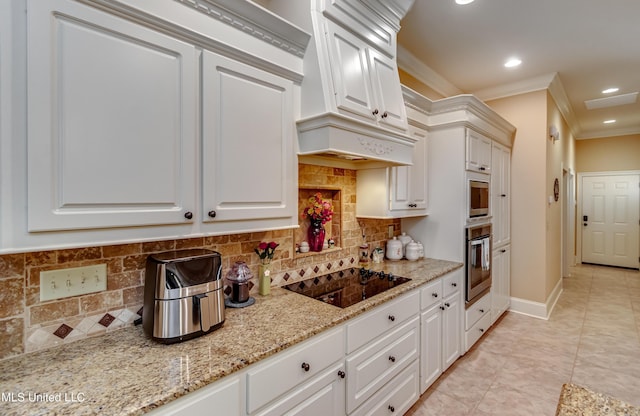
<point>265,250</point>
<point>318,209</point>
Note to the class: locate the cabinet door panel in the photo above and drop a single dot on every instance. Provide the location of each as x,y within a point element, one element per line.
<point>451,319</point>
<point>107,135</point>
<point>387,90</point>
<point>350,72</point>
<point>431,341</point>
<point>247,137</point>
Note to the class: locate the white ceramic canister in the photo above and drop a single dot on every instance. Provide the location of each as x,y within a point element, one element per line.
<point>412,251</point>
<point>394,249</point>
<point>404,239</point>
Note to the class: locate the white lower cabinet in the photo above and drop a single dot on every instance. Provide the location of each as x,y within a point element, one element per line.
<point>284,372</point>
<point>501,282</point>
<point>396,397</point>
<point>222,397</point>
<point>376,364</point>
<point>441,325</point>
<point>322,396</point>
<point>478,321</point>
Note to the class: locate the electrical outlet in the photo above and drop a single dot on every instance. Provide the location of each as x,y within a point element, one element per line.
<point>63,283</point>
<point>391,231</point>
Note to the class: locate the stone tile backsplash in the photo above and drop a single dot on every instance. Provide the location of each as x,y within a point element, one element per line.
<point>27,324</point>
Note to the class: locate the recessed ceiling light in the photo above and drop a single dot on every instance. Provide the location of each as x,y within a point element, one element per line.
<point>609,121</point>
<point>512,63</point>
<point>610,90</point>
<point>463,2</point>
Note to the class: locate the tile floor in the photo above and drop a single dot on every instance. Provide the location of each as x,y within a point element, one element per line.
<point>518,368</point>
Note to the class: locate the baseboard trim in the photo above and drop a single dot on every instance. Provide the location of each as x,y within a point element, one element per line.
<point>537,309</point>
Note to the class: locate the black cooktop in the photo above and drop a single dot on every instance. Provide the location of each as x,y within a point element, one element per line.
<point>346,287</point>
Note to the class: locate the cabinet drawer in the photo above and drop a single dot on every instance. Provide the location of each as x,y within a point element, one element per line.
<point>223,396</point>
<point>476,331</point>
<point>371,368</point>
<point>322,396</point>
<point>385,317</point>
<point>292,367</point>
<point>477,311</point>
<point>396,397</point>
<point>431,294</point>
<point>452,282</point>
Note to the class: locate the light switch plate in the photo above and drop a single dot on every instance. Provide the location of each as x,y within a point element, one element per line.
<point>63,283</point>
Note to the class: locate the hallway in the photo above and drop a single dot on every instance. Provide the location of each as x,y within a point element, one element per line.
<point>591,339</point>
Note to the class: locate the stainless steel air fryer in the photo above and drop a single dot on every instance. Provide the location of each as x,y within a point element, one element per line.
<point>183,295</point>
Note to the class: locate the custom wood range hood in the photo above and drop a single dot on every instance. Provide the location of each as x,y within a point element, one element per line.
<point>352,110</point>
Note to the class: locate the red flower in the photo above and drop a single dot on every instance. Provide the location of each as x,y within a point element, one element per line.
<point>273,245</point>
<point>265,250</point>
<point>262,246</point>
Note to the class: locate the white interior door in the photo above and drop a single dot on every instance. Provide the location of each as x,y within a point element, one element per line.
<point>611,220</point>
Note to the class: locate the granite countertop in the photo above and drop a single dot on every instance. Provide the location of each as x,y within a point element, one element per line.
<point>579,401</point>
<point>125,373</point>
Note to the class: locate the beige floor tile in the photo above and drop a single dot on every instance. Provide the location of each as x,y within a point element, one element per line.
<point>592,338</point>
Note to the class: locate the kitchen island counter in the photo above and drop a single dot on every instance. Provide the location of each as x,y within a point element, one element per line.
<point>125,373</point>
<point>578,401</point>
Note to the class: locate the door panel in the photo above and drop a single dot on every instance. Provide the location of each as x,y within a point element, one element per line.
<point>611,216</point>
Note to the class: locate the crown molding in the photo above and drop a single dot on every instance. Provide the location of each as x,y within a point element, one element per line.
<point>423,73</point>
<point>601,134</point>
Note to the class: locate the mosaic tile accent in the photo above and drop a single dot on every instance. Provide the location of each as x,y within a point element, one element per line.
<point>63,331</point>
<point>106,320</point>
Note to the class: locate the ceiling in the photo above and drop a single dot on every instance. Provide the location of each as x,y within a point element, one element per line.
<point>588,45</point>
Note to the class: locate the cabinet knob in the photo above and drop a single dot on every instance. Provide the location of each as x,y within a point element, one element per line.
<point>188,215</point>
<point>481,329</point>
<point>341,374</point>
<point>384,115</point>
<point>391,409</point>
<point>435,295</point>
<point>504,195</point>
<point>441,307</point>
<point>375,112</point>
<point>483,168</point>
<point>447,305</point>
<point>212,214</point>
<point>392,318</point>
<point>392,358</point>
<point>306,367</point>
<point>454,284</point>
<point>481,310</point>
<point>503,251</point>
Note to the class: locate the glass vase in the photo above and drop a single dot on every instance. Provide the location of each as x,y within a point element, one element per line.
<point>264,279</point>
<point>315,235</point>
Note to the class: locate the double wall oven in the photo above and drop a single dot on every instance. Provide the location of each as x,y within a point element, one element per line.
<point>478,264</point>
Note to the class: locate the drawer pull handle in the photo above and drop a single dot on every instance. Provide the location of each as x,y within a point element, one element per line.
<point>306,367</point>
<point>392,358</point>
<point>454,284</point>
<point>481,310</point>
<point>435,295</point>
<point>384,115</point>
<point>375,112</point>
<point>341,374</point>
<point>441,307</point>
<point>392,318</point>
<point>447,305</point>
<point>392,409</point>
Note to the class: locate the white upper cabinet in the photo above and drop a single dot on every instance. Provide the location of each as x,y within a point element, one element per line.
<point>248,158</point>
<point>409,183</point>
<point>366,82</point>
<point>478,152</point>
<point>112,112</point>
<point>500,194</point>
<point>395,192</point>
<point>150,120</point>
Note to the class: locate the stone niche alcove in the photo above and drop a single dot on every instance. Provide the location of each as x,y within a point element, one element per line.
<point>333,228</point>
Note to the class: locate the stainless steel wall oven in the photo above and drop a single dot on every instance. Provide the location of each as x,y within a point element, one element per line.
<point>478,265</point>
